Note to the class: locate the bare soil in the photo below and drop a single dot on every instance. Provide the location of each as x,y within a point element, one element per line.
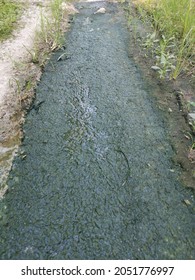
<point>18,78</point>
<point>172,98</point>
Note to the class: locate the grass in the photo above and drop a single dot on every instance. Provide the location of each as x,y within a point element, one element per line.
<point>173,22</point>
<point>172,42</point>
<point>48,37</point>
<point>9,13</point>
<point>51,31</point>
<point>51,34</point>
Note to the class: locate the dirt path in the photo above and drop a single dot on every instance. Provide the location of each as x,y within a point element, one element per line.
<point>15,70</point>
<point>94,178</point>
<point>19,75</point>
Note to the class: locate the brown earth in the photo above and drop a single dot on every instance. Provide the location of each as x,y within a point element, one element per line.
<point>172,98</point>
<point>18,79</point>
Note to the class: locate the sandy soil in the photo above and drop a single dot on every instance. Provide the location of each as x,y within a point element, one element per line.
<point>14,56</point>
<point>16,69</point>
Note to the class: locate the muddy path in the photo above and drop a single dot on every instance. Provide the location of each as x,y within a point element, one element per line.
<point>94,178</point>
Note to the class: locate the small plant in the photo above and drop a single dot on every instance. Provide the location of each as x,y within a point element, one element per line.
<point>161,50</point>
<point>175,21</point>
<point>164,58</point>
<point>50,35</point>
<point>34,54</point>
<point>186,48</point>
<point>150,41</point>
<point>192,124</point>
<point>192,104</point>
<point>51,31</point>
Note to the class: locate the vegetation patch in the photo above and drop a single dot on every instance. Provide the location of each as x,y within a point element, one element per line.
<point>174,35</point>
<point>9,13</point>
<point>175,97</point>
<point>50,37</point>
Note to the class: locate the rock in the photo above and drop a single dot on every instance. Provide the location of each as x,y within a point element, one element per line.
<point>187,202</point>
<point>100,11</point>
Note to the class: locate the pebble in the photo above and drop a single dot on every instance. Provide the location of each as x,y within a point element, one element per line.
<point>100,11</point>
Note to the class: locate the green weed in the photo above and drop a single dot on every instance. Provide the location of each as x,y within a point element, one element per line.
<point>50,35</point>
<point>51,30</point>
<point>165,59</point>
<point>34,54</point>
<point>9,13</point>
<point>175,21</point>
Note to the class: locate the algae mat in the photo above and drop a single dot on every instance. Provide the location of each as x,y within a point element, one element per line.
<point>94,178</point>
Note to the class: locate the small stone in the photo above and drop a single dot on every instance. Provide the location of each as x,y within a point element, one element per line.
<point>187,202</point>
<point>155,68</point>
<point>170,110</point>
<point>187,137</point>
<point>23,157</point>
<point>100,11</point>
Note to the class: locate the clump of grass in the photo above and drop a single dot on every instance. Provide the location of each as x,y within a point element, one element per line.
<point>175,21</point>
<point>9,13</point>
<point>51,28</point>
<point>50,36</point>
